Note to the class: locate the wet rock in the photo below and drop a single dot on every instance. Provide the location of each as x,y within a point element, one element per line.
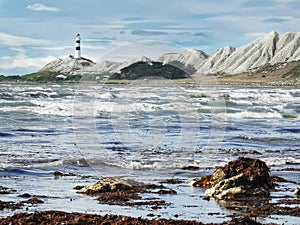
<point>281,180</point>
<point>57,217</point>
<point>243,177</point>
<point>118,197</point>
<point>193,168</point>
<point>116,191</point>
<point>297,192</point>
<point>210,180</point>
<point>58,174</point>
<point>33,201</point>
<point>106,185</point>
<point>172,181</point>
<point>6,190</point>
<point>165,192</point>
<point>25,195</point>
<point>10,205</point>
<point>37,94</point>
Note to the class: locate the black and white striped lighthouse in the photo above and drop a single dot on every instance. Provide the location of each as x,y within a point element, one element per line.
<point>77,47</point>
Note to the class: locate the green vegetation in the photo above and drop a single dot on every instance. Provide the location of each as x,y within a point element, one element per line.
<point>269,68</point>
<point>294,72</point>
<point>144,69</point>
<point>41,77</point>
<point>48,76</point>
<point>9,78</point>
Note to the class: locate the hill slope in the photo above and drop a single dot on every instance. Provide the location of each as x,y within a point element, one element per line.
<point>68,65</point>
<point>149,69</point>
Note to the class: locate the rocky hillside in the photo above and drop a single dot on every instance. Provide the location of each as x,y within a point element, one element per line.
<point>69,65</point>
<point>269,49</point>
<point>187,61</point>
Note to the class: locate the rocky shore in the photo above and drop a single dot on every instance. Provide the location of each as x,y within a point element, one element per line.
<point>244,186</point>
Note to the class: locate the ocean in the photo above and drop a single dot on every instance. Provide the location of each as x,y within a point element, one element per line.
<point>146,130</point>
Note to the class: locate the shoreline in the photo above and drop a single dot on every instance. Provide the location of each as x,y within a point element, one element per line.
<point>242,212</point>
<point>186,81</point>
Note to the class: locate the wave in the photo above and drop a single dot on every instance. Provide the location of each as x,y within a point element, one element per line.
<point>248,114</point>
<point>3,134</point>
<point>28,165</point>
<point>39,94</point>
<point>289,130</point>
<point>279,161</point>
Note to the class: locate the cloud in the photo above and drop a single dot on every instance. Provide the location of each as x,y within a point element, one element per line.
<point>257,3</point>
<point>276,20</point>
<point>41,7</point>
<point>134,19</point>
<point>255,34</point>
<point>11,40</point>
<point>201,35</point>
<point>23,61</point>
<point>148,33</point>
<point>210,15</point>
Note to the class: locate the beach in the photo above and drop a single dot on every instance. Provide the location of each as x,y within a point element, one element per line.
<point>58,137</point>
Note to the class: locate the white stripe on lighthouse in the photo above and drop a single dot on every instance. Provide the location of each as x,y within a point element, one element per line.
<point>77,47</point>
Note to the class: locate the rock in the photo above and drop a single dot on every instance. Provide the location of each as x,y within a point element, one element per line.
<point>6,190</point>
<point>243,177</point>
<point>33,201</point>
<point>58,174</point>
<point>297,192</point>
<point>105,185</point>
<point>53,217</point>
<point>25,195</point>
<point>210,180</point>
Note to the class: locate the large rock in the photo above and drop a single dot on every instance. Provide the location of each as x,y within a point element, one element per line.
<point>243,177</point>
<point>105,185</point>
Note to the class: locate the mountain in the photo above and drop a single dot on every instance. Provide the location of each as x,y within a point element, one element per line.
<point>269,49</point>
<point>215,61</point>
<point>187,60</point>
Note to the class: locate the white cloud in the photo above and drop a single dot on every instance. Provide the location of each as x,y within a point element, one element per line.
<point>23,61</point>
<point>41,7</point>
<point>255,34</point>
<point>11,40</point>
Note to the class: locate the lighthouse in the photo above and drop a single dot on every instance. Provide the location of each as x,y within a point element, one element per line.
<point>77,47</point>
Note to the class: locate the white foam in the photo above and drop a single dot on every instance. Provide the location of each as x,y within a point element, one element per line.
<point>247,114</point>
<point>276,161</point>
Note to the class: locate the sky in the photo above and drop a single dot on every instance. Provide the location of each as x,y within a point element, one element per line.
<point>35,32</point>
